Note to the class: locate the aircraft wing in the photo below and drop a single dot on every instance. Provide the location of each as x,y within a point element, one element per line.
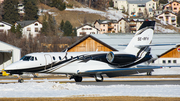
<point>137,69</point>
<point>127,71</point>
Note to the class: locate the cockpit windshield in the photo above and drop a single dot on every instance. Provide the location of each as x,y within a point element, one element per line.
<point>28,58</point>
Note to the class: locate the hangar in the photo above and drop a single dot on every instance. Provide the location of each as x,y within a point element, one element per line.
<point>171,56</point>
<point>8,54</point>
<point>90,43</point>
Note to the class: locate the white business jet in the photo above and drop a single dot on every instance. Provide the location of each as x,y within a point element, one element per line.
<point>92,64</point>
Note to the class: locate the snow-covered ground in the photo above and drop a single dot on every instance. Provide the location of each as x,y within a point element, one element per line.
<point>51,89</point>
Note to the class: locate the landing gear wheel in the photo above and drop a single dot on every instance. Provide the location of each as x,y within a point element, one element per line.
<point>78,78</point>
<point>99,78</point>
<point>20,80</point>
<point>149,73</point>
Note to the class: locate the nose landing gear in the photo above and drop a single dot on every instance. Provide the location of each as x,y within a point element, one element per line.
<point>20,79</point>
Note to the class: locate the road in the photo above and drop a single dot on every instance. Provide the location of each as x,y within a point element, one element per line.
<point>132,80</point>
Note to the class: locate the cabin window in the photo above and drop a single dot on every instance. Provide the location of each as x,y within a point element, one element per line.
<point>36,58</point>
<point>32,58</point>
<point>174,61</point>
<point>77,57</point>
<point>169,61</point>
<point>59,58</point>
<point>65,57</point>
<point>164,61</point>
<point>71,57</point>
<point>54,58</point>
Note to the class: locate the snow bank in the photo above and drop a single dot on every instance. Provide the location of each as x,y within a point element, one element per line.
<point>50,89</point>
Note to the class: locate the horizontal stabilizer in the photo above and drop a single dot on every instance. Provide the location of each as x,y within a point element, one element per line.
<point>141,46</point>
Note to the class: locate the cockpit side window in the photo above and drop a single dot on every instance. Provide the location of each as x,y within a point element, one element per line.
<point>25,58</point>
<point>28,58</point>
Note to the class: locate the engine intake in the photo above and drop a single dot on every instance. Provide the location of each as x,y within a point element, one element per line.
<point>110,57</point>
<point>120,58</point>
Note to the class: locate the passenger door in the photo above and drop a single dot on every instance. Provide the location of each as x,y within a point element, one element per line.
<point>48,60</point>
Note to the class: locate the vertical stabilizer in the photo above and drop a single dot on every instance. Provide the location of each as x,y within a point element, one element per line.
<point>138,45</point>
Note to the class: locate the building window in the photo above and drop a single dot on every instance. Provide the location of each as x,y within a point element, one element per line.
<point>104,25</point>
<point>90,28</point>
<point>169,61</point>
<point>82,33</point>
<point>36,24</point>
<point>83,28</point>
<point>36,29</point>
<point>1,25</point>
<point>174,61</point>
<point>92,32</point>
<point>103,29</point>
<point>29,29</point>
<point>164,61</point>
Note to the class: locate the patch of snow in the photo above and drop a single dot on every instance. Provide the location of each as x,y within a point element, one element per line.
<point>50,89</point>
<point>111,14</point>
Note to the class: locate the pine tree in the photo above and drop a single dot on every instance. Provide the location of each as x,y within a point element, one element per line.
<point>59,4</point>
<point>111,3</point>
<point>67,28</point>
<point>31,10</point>
<point>62,25</point>
<point>18,31</point>
<point>10,11</point>
<point>13,29</point>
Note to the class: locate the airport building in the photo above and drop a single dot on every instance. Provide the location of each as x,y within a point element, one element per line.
<point>8,54</point>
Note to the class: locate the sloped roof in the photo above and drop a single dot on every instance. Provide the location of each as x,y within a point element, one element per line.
<point>87,25</point>
<point>138,1</point>
<point>168,51</point>
<point>26,23</point>
<point>94,38</point>
<point>6,23</point>
<point>167,11</point>
<point>106,21</point>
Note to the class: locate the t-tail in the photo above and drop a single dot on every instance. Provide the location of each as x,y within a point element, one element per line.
<point>140,43</point>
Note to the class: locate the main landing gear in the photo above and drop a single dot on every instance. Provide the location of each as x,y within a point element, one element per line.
<point>76,78</point>
<point>99,78</point>
<point>149,73</point>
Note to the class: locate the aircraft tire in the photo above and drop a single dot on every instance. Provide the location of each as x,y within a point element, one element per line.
<point>78,78</point>
<point>149,73</point>
<point>20,80</point>
<point>99,80</point>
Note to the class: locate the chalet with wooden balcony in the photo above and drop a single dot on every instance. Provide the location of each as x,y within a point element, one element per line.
<point>106,26</point>
<point>168,17</point>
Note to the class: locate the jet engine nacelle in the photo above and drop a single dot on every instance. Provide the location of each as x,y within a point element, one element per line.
<point>120,58</point>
